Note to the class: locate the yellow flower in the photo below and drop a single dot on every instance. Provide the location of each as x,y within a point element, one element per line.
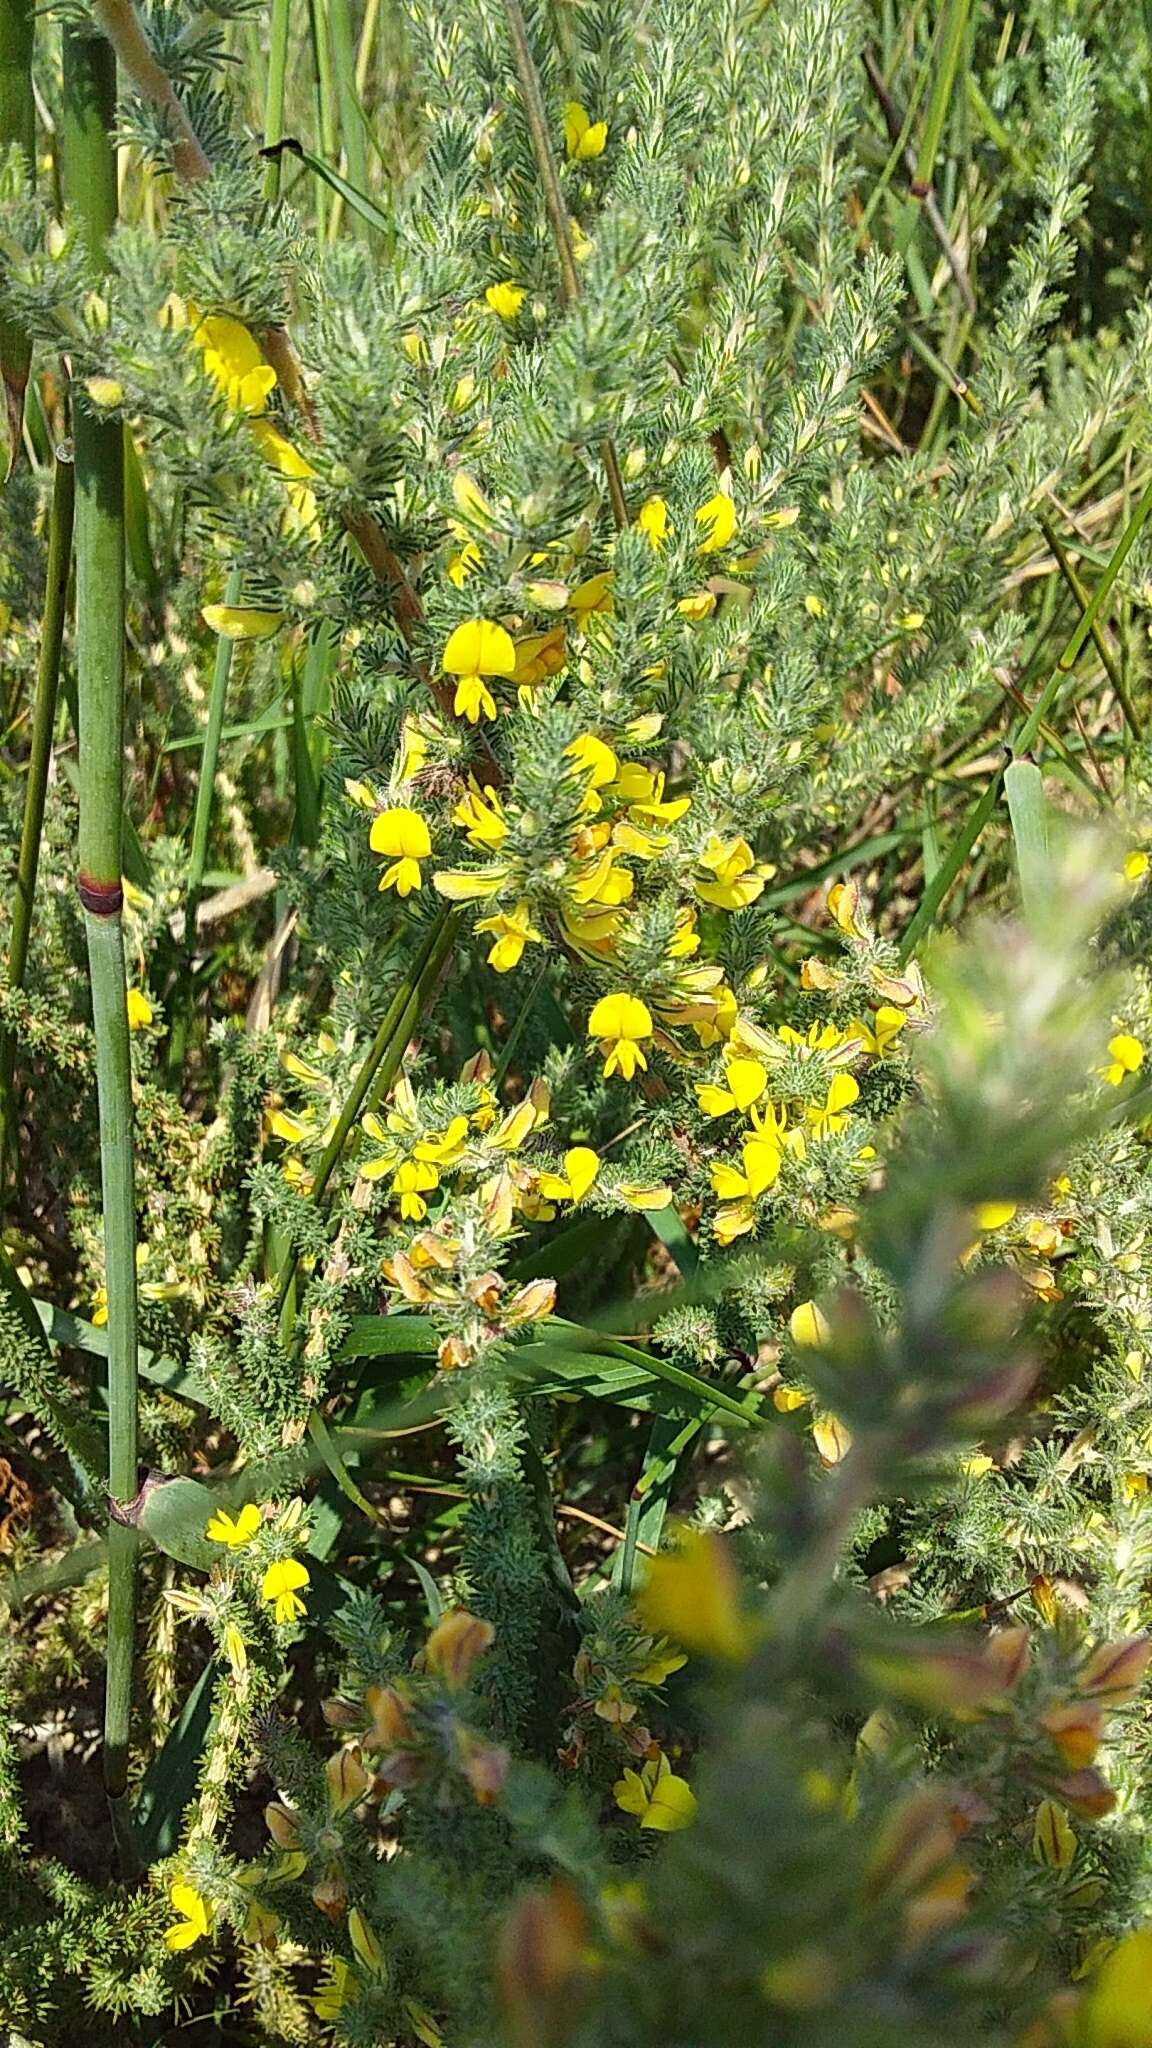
<point>657,1797</point>
<point>241,621</point>
<point>139,1009</point>
<point>235,1533</point>
<point>505,299</point>
<point>234,1648</point>
<point>466,885</point>
<point>737,878</point>
<point>402,837</point>
<point>662,1660</point>
<point>994,1215</point>
<point>100,1308</point>
<point>692,1595</point>
<point>195,1917</point>
<point>581,1166</point>
<point>1136,866</point>
<point>883,1031</point>
<point>411,1181</point>
<point>620,1021</point>
<point>413,750</point>
<point>787,1399</point>
<point>828,1116</point>
<point>640,1195</point>
<point>512,930</point>
<point>745,1081</point>
<point>104,391</point>
<point>642,789</point>
<point>480,815</point>
<point>595,762</point>
<point>476,649</point>
<point>762,1158</point>
<point>538,656</point>
<point>281,1585</point>
<point>718,520</point>
<point>582,136</point>
<point>652,519</point>
<point>832,1438</point>
<point>699,605</point>
<point>234,361</point>
<point>844,905</point>
<point>1119,2008</point>
<point>462,563</point>
<point>594,595</point>
<point>809,1326</point>
<point>1127,1057</point>
<point>287,461</point>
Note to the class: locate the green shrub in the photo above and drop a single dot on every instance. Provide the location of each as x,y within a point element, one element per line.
<point>546,1300</point>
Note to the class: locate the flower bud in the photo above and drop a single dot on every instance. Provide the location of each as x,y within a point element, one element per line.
<point>484,1764</point>
<point>1053,1837</point>
<point>331,1895</point>
<point>346,1778</point>
<point>1075,1731</point>
<point>1114,1672</point>
<point>281,1825</point>
<point>540,1965</point>
<point>1087,1792</point>
<point>455,1643</point>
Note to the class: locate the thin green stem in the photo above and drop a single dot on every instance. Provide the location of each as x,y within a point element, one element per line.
<point>1026,735</point>
<point>1111,666</point>
<point>17,128</point>
<point>209,761</point>
<point>202,827</point>
<point>381,1062</point>
<point>39,757</point>
<point>274,93</point>
<point>89,109</point>
<point>536,115</point>
<point>352,130</point>
<point>952,34</point>
<point>325,108</point>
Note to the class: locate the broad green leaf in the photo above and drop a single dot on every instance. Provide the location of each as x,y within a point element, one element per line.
<point>169,1783</point>
<point>174,1513</point>
<point>1028,810</point>
<point>389,1336</point>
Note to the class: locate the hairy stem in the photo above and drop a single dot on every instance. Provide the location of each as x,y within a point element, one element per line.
<point>90,191</point>
<point>121,24</point>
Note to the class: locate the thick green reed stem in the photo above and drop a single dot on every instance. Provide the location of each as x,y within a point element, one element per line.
<point>274,94</point>
<point>40,754</point>
<point>90,192</point>
<point>17,125</point>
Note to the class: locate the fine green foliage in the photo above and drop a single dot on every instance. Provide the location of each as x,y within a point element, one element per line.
<point>573,1120</point>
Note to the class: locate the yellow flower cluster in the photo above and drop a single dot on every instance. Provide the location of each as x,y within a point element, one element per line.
<point>234,363</point>
<point>458,1151</point>
<point>793,1090</point>
<point>283,1577</point>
